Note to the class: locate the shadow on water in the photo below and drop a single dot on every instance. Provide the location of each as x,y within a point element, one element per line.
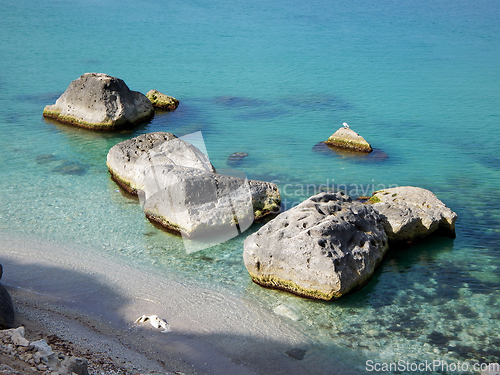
<point>376,156</point>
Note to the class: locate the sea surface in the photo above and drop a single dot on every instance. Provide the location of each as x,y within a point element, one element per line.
<point>420,80</point>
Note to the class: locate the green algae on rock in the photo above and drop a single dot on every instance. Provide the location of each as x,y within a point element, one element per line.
<point>348,138</point>
<point>159,100</point>
<point>99,101</point>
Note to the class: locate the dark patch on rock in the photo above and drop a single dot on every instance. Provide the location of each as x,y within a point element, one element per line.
<point>296,353</point>
<point>235,159</point>
<point>6,307</point>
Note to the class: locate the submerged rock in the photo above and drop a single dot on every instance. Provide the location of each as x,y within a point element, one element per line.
<point>46,158</point>
<point>410,214</point>
<point>99,101</point>
<point>6,307</point>
<point>296,353</point>
<point>70,167</point>
<point>235,158</point>
<point>323,248</point>
<point>345,137</point>
<point>128,160</point>
<point>159,100</point>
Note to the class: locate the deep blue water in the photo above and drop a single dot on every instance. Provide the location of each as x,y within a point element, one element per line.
<point>419,80</point>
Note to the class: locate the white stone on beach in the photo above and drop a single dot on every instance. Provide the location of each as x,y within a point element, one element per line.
<point>43,349</point>
<point>17,336</point>
<point>155,321</point>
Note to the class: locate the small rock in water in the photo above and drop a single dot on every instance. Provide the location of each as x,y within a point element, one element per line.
<point>287,312</point>
<point>71,168</point>
<point>349,139</point>
<point>46,158</point>
<point>296,353</point>
<point>160,100</point>
<point>236,158</point>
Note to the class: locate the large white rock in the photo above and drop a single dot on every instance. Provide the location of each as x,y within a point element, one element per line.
<point>196,202</point>
<point>323,248</point>
<point>99,101</point>
<point>127,161</point>
<point>410,214</point>
<point>179,188</point>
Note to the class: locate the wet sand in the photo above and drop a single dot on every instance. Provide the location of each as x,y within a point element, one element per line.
<point>91,300</point>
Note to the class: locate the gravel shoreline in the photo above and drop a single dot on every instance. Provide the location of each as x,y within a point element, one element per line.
<point>34,348</point>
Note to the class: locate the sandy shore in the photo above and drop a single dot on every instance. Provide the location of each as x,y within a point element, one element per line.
<point>89,302</point>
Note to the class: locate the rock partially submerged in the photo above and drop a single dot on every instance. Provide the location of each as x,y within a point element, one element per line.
<point>180,189</point>
<point>162,101</point>
<point>196,202</point>
<point>236,158</point>
<point>6,306</point>
<point>347,138</point>
<point>128,160</point>
<point>323,248</point>
<point>410,214</point>
<point>99,101</point>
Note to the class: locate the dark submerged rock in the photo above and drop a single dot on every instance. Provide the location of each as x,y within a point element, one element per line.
<point>235,159</point>
<point>71,168</point>
<point>296,353</point>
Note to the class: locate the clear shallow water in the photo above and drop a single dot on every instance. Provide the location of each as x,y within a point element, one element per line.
<point>419,81</point>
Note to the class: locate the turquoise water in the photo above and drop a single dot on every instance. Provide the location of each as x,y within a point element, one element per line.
<point>420,81</point>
